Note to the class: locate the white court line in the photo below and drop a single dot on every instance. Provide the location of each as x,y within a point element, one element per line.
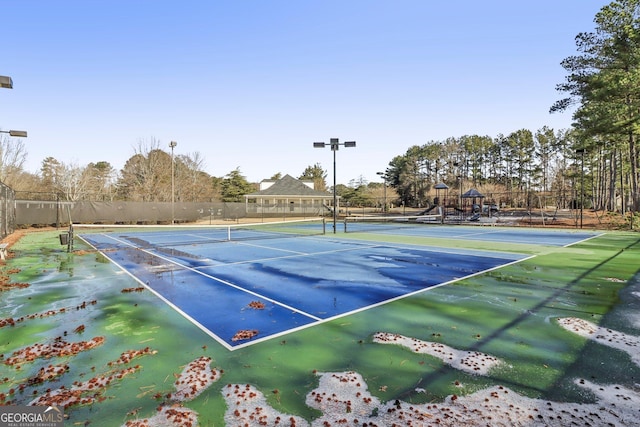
<point>267,247</point>
<point>165,300</point>
<point>499,231</point>
<point>583,240</point>
<point>544,242</point>
<point>209,238</point>
<point>224,282</point>
<point>461,236</point>
<point>489,253</point>
<point>295,255</point>
<point>378,304</point>
<point>362,245</point>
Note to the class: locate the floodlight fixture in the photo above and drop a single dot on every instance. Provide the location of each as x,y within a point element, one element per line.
<point>16,133</point>
<point>6,82</point>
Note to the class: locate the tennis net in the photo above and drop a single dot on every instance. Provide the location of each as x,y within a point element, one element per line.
<point>149,236</point>
<point>380,223</point>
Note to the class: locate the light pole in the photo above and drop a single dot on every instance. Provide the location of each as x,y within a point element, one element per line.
<point>581,152</point>
<point>7,83</point>
<point>172,144</point>
<point>461,209</point>
<point>335,145</point>
<point>460,170</point>
<point>384,176</point>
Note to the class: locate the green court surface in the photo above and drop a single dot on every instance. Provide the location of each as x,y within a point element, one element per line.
<point>510,313</point>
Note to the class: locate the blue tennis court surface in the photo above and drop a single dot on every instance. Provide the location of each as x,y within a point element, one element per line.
<point>537,236</point>
<point>272,286</point>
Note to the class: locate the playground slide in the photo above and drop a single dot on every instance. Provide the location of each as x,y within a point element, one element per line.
<point>426,212</point>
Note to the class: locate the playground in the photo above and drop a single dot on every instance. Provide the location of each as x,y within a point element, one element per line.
<point>443,325</point>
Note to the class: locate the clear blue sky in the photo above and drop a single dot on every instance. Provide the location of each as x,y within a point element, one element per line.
<point>252,84</point>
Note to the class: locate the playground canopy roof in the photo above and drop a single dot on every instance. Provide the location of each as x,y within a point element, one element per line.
<point>473,193</point>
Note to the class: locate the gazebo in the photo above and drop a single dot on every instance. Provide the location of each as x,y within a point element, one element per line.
<point>440,186</point>
<point>474,194</point>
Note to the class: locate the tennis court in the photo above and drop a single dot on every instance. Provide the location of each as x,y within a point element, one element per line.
<point>412,226</point>
<point>262,283</point>
<point>396,317</point>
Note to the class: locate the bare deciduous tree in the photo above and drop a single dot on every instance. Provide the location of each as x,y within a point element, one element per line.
<point>12,158</point>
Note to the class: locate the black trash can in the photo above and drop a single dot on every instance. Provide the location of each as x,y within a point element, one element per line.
<point>64,238</point>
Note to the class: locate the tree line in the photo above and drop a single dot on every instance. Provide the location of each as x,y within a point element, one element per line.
<point>151,174</point>
<point>522,161</point>
<point>603,87</point>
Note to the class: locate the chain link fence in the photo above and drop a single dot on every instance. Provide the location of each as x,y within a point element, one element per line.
<point>34,213</point>
<point>506,207</point>
<point>7,210</point>
<point>37,209</point>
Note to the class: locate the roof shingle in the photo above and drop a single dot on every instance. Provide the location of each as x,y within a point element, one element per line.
<point>289,186</point>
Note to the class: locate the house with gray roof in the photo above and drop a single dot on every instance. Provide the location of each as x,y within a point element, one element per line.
<point>288,196</point>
